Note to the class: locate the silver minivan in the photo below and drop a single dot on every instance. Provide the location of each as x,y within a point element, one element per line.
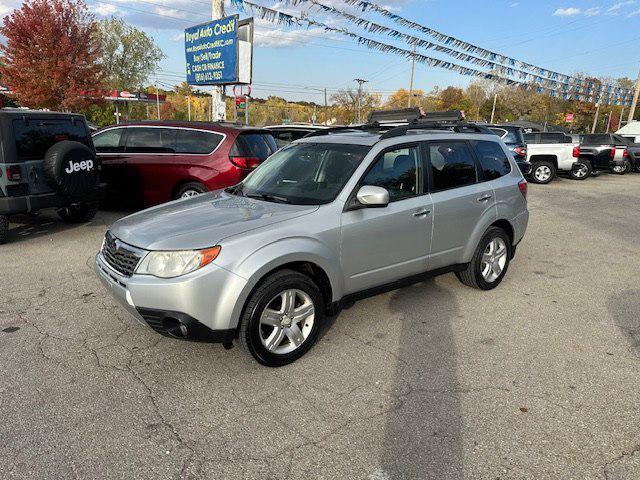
<point>333,215</point>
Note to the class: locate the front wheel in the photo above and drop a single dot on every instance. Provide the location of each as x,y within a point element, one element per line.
<point>622,169</point>
<point>490,261</point>
<point>79,213</point>
<point>543,172</point>
<point>190,189</point>
<point>282,318</point>
<point>581,171</point>
<point>4,228</point>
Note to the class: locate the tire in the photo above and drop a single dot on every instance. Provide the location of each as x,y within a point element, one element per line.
<point>543,172</point>
<point>78,213</point>
<point>190,189</point>
<point>622,169</point>
<point>264,320</point>
<point>473,276</point>
<point>71,169</point>
<point>4,228</point>
<point>584,171</point>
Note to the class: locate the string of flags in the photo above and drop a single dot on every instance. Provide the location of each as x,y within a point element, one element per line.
<point>538,84</point>
<point>571,85</point>
<point>365,6</point>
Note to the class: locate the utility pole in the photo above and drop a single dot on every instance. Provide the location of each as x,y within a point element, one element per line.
<point>359,104</point>
<point>325,106</point>
<point>158,101</point>
<point>632,112</point>
<point>189,107</point>
<point>621,117</point>
<point>493,110</point>
<point>218,106</point>
<point>413,67</point>
<point>595,120</point>
<point>609,121</point>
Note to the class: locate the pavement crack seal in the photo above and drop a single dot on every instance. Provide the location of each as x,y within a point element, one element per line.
<point>188,460</point>
<point>619,458</point>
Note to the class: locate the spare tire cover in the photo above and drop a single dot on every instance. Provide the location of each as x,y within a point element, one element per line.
<point>71,169</point>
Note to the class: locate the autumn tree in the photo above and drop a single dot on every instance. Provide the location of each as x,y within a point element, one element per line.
<point>345,104</point>
<point>129,55</point>
<point>50,55</point>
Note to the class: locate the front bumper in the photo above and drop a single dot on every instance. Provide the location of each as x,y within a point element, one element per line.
<point>198,306</point>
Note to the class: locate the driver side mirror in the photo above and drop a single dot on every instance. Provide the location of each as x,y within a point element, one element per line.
<point>370,196</point>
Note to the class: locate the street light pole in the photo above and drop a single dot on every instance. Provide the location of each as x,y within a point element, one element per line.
<point>493,110</point>
<point>158,100</point>
<point>413,67</point>
<point>218,107</point>
<point>595,120</point>
<point>359,105</point>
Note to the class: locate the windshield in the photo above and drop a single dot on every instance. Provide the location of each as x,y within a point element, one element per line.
<point>303,173</point>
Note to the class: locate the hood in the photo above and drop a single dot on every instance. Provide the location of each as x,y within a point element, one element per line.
<point>202,221</point>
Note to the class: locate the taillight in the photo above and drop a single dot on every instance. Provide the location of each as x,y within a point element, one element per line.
<point>522,185</point>
<point>625,154</point>
<point>576,152</point>
<point>13,173</point>
<point>613,152</point>
<point>522,152</point>
<point>248,163</point>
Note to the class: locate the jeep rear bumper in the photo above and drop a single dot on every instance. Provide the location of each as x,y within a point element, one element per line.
<point>30,203</point>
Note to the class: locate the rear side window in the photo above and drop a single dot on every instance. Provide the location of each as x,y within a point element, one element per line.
<point>35,136</point>
<point>150,140</point>
<point>554,138</point>
<point>493,160</point>
<point>108,141</point>
<point>452,165</point>
<point>531,137</point>
<point>260,145</point>
<point>595,139</point>
<point>196,142</point>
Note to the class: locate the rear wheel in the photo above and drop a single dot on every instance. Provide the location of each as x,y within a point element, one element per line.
<point>490,261</point>
<point>281,319</point>
<point>4,228</point>
<point>79,212</point>
<point>543,172</point>
<point>581,171</point>
<point>190,189</point>
<point>622,169</point>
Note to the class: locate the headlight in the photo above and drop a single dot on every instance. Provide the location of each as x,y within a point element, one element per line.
<point>174,264</point>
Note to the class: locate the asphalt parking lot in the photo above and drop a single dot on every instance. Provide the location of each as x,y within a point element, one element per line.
<point>537,379</point>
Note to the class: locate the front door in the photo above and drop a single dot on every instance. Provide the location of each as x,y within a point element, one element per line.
<point>381,245</point>
<point>459,201</point>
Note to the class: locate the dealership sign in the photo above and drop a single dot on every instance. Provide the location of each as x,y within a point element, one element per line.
<point>219,52</point>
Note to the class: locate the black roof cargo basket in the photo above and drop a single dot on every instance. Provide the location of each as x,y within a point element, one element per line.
<point>448,116</point>
<point>394,116</point>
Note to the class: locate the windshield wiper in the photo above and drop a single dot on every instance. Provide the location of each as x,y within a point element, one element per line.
<point>267,197</point>
<point>234,190</point>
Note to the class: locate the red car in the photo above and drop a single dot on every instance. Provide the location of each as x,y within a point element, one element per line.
<point>147,163</point>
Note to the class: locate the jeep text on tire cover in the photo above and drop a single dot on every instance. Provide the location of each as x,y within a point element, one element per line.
<point>77,166</point>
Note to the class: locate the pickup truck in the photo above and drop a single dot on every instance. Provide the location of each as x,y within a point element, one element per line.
<point>552,153</point>
<point>633,151</point>
<point>605,152</point>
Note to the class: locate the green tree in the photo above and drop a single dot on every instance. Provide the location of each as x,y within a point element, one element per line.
<point>129,56</point>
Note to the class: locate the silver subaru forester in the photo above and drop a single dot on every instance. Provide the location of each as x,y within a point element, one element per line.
<point>333,215</point>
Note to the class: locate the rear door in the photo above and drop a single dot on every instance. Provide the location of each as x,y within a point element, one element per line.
<point>381,245</point>
<point>459,198</point>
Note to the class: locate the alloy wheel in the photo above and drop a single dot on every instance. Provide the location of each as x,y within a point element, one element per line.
<point>493,260</point>
<point>542,173</point>
<point>189,194</point>
<point>287,321</point>
<point>582,171</point>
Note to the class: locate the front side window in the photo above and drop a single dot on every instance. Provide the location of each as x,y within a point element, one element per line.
<point>108,141</point>
<point>303,173</point>
<point>493,161</point>
<point>398,171</point>
<point>452,165</point>
<point>150,140</point>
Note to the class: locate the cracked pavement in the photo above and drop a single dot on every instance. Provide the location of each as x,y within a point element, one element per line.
<point>537,379</point>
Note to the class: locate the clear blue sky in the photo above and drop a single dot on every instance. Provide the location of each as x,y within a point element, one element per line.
<point>597,37</point>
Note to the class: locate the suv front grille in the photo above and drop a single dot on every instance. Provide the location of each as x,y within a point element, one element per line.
<point>120,256</point>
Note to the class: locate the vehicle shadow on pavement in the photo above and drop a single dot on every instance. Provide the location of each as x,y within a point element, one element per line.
<point>422,437</point>
<point>26,227</point>
<point>624,308</point>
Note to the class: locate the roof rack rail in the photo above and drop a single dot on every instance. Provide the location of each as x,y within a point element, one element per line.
<point>353,128</point>
<point>458,127</point>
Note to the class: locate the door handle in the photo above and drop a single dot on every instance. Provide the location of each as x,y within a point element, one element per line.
<point>484,198</point>
<point>422,213</point>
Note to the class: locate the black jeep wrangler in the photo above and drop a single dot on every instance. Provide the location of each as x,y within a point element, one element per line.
<point>47,159</point>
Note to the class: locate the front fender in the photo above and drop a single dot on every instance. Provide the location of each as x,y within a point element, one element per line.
<point>281,252</point>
